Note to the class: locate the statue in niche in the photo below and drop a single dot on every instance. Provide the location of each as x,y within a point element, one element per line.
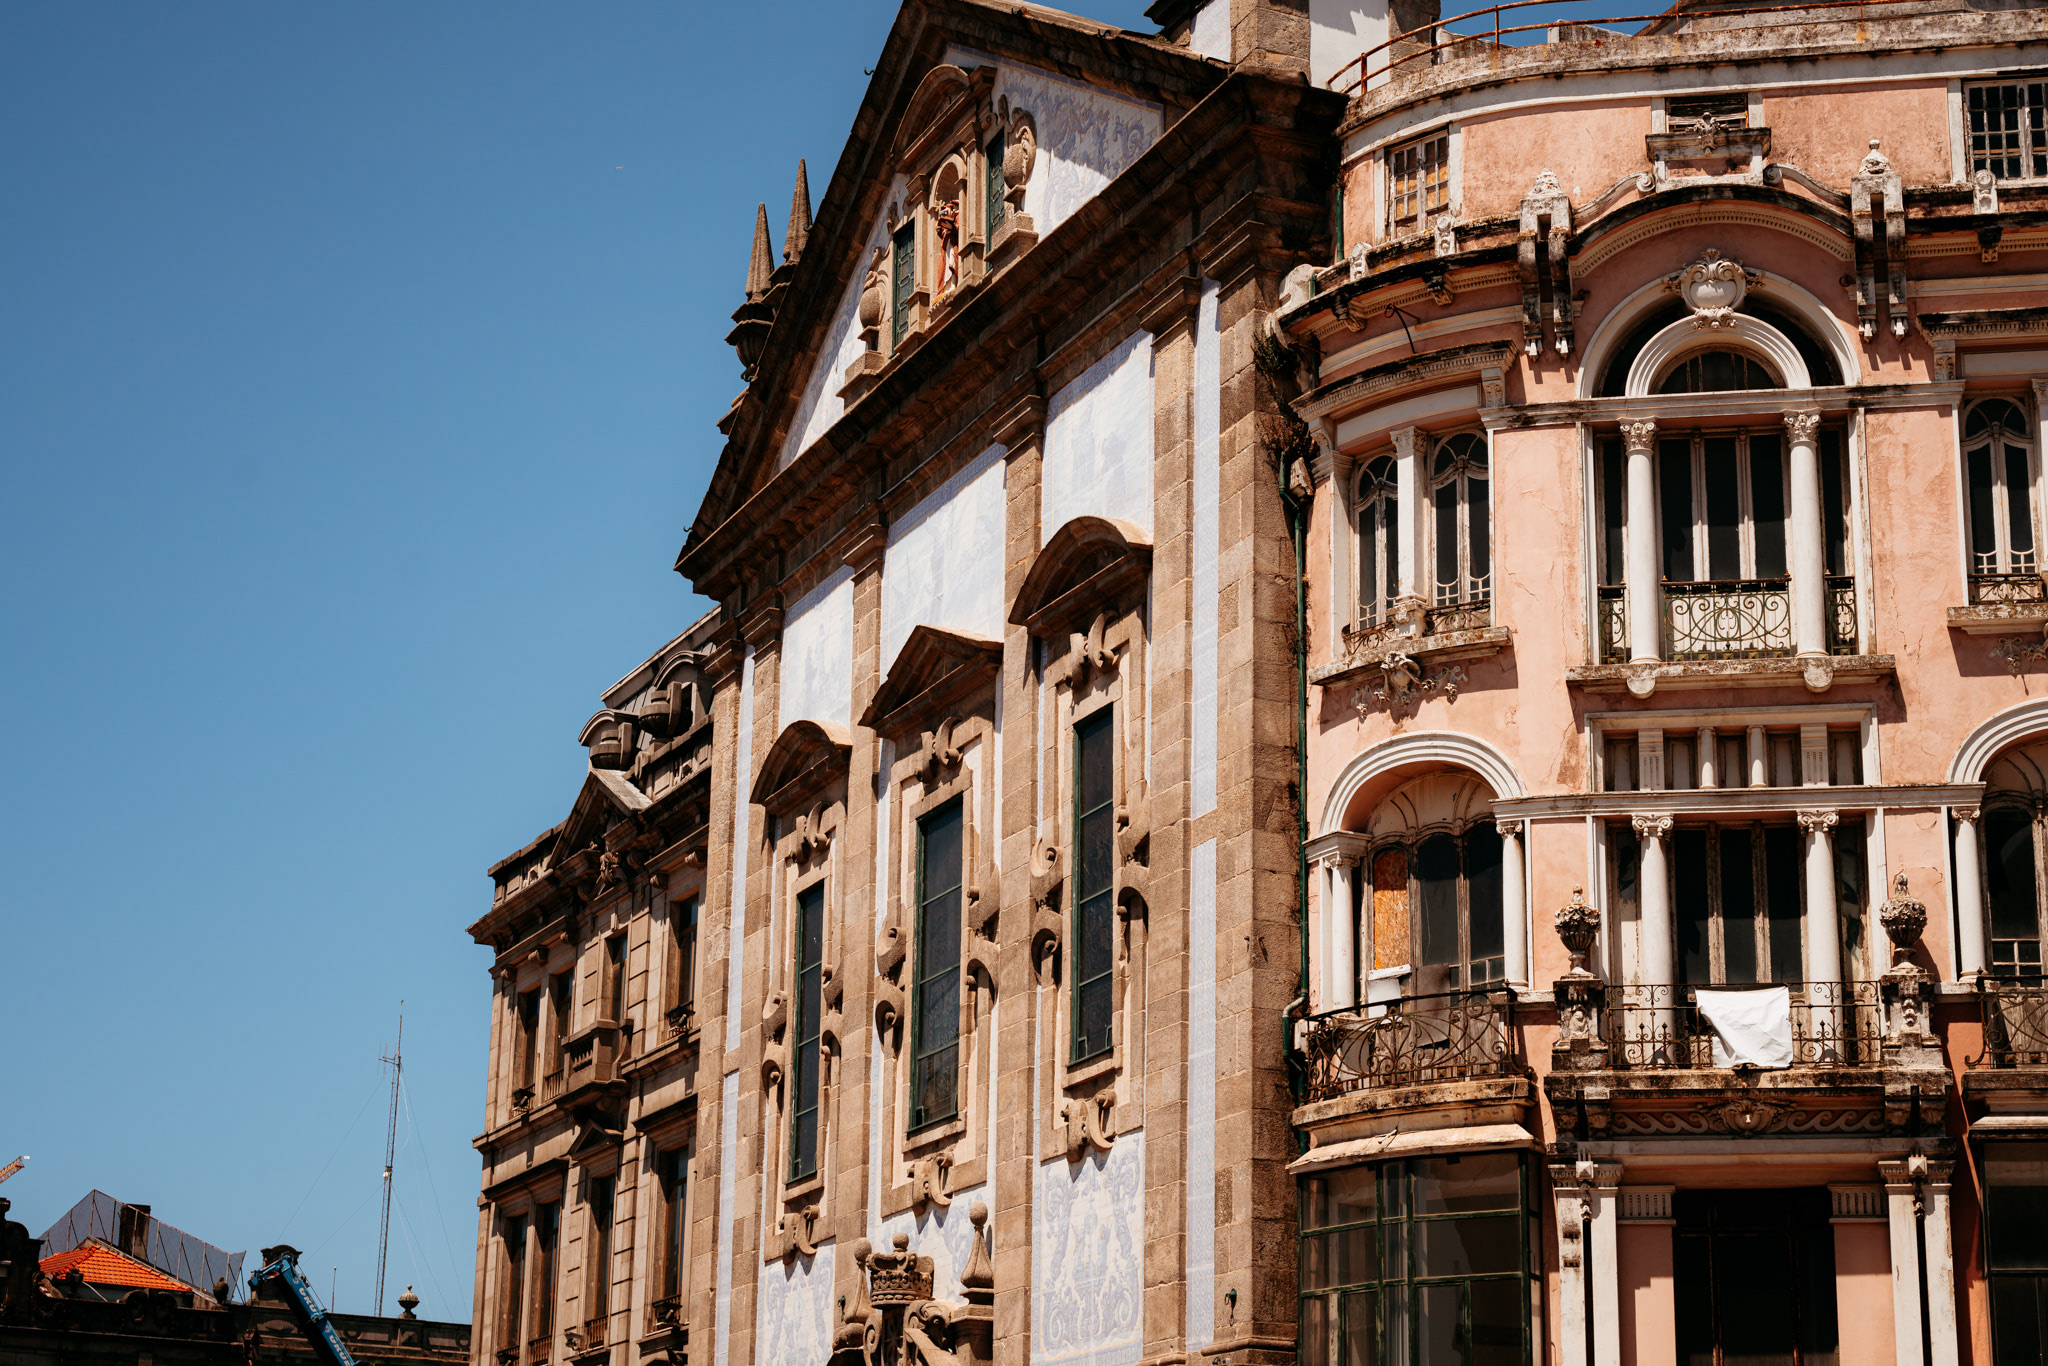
<point>946,221</point>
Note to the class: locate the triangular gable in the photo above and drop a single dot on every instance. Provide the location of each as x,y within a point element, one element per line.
<point>804,759</point>
<point>934,668</point>
<point>1081,571</point>
<point>603,798</point>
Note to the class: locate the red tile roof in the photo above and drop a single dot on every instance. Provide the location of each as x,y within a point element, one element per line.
<point>102,1265</point>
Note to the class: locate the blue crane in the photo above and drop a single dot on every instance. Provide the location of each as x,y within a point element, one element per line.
<point>281,1269</point>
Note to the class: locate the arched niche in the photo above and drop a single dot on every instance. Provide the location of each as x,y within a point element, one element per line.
<point>1826,351</point>
<point>805,760</point>
<point>1423,748</point>
<point>1742,333</point>
<point>1974,756</point>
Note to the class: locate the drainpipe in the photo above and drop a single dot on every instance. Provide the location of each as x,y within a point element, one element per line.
<point>1297,518</point>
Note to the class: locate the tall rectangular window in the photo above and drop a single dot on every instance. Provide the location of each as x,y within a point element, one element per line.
<point>1755,1276</point>
<point>935,1013</point>
<point>2016,1249</point>
<point>2007,135</point>
<point>547,1230</point>
<point>683,962</point>
<point>903,281</point>
<point>1418,181</point>
<point>600,1199</point>
<point>558,1021</point>
<point>1094,882</point>
<point>1740,911</point>
<point>615,978</point>
<point>674,1170</point>
<point>996,149</point>
<point>512,1296</point>
<point>804,1081</point>
<point>529,1038</point>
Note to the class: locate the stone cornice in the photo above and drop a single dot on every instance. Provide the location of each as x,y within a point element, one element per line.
<point>1831,400</point>
<point>1354,391</point>
<point>1737,800</point>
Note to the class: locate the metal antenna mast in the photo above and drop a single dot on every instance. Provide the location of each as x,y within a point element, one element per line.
<point>397,1061</point>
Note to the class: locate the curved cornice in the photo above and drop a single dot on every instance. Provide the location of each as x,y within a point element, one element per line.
<point>1758,206</point>
<point>2015,723</point>
<point>1422,747</point>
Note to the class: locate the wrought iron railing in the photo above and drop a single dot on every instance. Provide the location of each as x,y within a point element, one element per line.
<point>1613,623</point>
<point>1841,610</point>
<point>1728,619</point>
<point>1653,1027</point>
<point>2015,1022</point>
<point>1992,589</point>
<point>1449,1036</point>
<point>1470,614</point>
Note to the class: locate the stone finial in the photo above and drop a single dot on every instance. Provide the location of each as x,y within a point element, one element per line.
<point>758,268</point>
<point>1578,925</point>
<point>799,217</point>
<point>1875,162</point>
<point>1903,917</point>
<point>980,1272</point>
<point>407,1303</point>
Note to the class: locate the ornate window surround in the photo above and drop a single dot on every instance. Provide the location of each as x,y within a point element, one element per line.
<point>801,784</point>
<point>1084,601</point>
<point>937,706</point>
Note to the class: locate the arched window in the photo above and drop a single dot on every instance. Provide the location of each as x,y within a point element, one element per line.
<point>1430,900</point>
<point>1379,542</point>
<point>2015,862</point>
<point>1714,372</point>
<point>1461,524</point>
<point>1998,458</point>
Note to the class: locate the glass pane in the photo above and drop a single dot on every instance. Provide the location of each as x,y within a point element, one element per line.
<point>1781,887</point>
<point>1834,502</point>
<point>1095,774</point>
<point>1689,898</point>
<point>1440,1325</point>
<point>1468,1247</point>
<point>2016,1319</point>
<point>1738,905</point>
<point>1724,509</point>
<point>1095,1019</point>
<point>1613,504</point>
<point>1674,477</point>
<point>1983,522</point>
<point>1482,876</point>
<point>1436,879</point>
<point>1767,505</point>
<point>1479,532</point>
<point>2018,504</point>
<point>1368,557</point>
<point>1496,1311</point>
<point>2009,845</point>
<point>1349,1195</point>
<point>2016,1206</point>
<point>1754,1300</point>
<point>1446,499</point>
<point>1390,540</point>
<point>1358,1346</point>
<point>1468,1183</point>
<point>1315,1331</point>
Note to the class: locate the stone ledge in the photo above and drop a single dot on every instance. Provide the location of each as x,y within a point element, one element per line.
<point>1442,647</point>
<point>1816,675</point>
<point>1998,618</point>
<point>1445,1102</point>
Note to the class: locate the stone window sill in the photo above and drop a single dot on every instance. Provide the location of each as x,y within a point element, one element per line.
<point>1442,647</point>
<point>1998,618</point>
<point>1816,674</point>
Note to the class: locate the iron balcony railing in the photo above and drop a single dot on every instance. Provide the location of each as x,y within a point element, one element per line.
<point>2015,1022</point>
<point>1448,1036</point>
<point>1613,623</point>
<point>1653,1027</point>
<point>1841,610</point>
<point>1467,614</point>
<point>1728,619</point>
<point>1994,589</point>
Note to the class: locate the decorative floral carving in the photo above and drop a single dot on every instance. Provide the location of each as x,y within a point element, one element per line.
<point>1020,154</point>
<point>928,1182</point>
<point>1802,428</point>
<point>1713,287</point>
<point>873,292</point>
<point>1404,684</point>
<point>2014,651</point>
<point>1875,162</point>
<point>1578,925</point>
<point>1903,917</point>
<point>1818,822</point>
<point>1089,1123</point>
<point>1640,436</point>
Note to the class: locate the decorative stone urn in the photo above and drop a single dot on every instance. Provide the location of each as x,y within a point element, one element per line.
<point>1903,917</point>
<point>1578,926</point>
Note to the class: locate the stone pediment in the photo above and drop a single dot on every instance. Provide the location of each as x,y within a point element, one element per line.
<point>805,759</point>
<point>934,669</point>
<point>1084,570</point>
<point>603,799</point>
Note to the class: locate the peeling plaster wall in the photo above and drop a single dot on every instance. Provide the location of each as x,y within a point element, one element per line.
<point>1088,1257</point>
<point>944,566</point>
<point>817,655</point>
<point>1098,441</point>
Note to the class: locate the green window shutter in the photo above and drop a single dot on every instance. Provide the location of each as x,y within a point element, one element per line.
<point>996,148</point>
<point>903,275</point>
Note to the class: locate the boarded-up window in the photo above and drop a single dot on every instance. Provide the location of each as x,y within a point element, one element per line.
<point>1390,909</point>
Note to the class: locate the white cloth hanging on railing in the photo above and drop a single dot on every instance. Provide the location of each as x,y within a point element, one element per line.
<point>1751,1028</point>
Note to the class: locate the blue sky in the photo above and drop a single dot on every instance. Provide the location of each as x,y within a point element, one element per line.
<point>357,380</point>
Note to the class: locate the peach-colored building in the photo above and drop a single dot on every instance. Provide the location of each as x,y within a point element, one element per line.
<point>1670,424</point>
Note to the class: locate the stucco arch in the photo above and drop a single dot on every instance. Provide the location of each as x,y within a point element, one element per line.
<point>1800,303</point>
<point>1422,747</point>
<point>1752,336</point>
<point>1982,745</point>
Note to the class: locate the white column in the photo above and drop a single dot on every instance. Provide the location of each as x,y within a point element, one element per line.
<point>1809,563</point>
<point>1759,757</point>
<point>1603,1255</point>
<point>1645,633</point>
<point>1514,905</point>
<point>1941,1269</point>
<point>1343,936</point>
<point>1408,493</point>
<point>1326,935</point>
<point>1571,1266</point>
<point>1824,991</point>
<point>1901,1194</point>
<point>1657,956</point>
<point>1969,895</point>
<point>1708,747</point>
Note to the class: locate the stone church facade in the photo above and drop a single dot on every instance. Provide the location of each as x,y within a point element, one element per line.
<point>1332,642</point>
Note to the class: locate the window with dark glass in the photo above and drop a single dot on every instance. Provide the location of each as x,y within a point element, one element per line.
<point>529,1038</point>
<point>997,146</point>
<point>1449,885</point>
<point>673,1172</point>
<point>547,1231</point>
<point>903,281</point>
<point>615,978</point>
<point>1754,1276</point>
<point>2012,884</point>
<point>805,1059</point>
<point>1418,181</point>
<point>1419,1262</point>
<point>1379,542</point>
<point>1713,372</point>
<point>1461,520</point>
<point>512,1296</point>
<point>600,1197</point>
<point>1998,459</point>
<point>1094,883</point>
<point>2016,1250</point>
<point>558,1020</point>
<point>682,961</point>
<point>2007,135</point>
<point>935,1011</point>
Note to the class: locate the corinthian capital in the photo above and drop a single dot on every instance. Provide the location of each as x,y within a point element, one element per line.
<point>1651,827</point>
<point>1800,427</point>
<point>1638,436</point>
<point>1818,822</point>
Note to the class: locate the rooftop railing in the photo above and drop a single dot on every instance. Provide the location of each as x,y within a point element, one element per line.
<point>1448,1036</point>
